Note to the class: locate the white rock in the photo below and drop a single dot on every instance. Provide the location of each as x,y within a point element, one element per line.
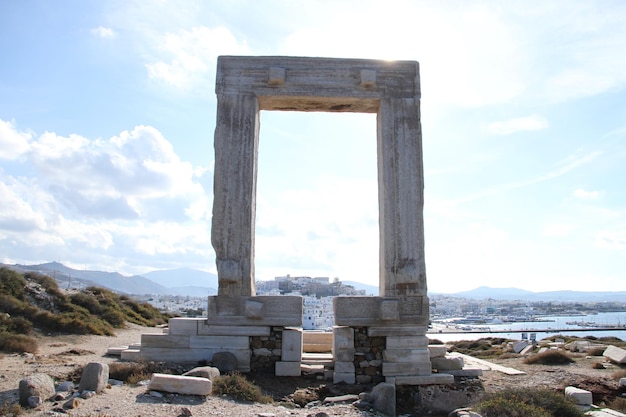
<point>178,384</point>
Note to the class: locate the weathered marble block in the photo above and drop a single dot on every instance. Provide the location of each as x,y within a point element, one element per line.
<point>236,310</point>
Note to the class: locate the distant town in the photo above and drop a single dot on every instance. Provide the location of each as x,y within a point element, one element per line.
<point>462,313</point>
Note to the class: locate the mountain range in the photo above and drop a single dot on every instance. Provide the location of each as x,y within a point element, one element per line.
<point>192,282</point>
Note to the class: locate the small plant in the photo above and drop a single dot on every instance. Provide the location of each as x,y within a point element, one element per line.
<point>504,407</point>
<point>549,357</point>
<point>598,365</point>
<point>527,402</point>
<point>239,388</point>
<point>488,347</point>
<point>10,410</point>
<point>619,374</point>
<point>618,404</point>
<point>596,351</point>
<point>17,343</point>
<point>135,372</point>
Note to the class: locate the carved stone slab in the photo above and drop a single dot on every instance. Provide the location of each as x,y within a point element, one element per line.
<point>381,311</point>
<point>227,310</point>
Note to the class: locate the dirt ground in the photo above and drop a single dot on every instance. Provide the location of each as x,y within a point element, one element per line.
<point>61,356</point>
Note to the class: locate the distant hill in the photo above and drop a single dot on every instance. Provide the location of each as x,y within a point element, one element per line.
<point>112,280</point>
<point>182,281</point>
<point>495,293</point>
<point>185,281</point>
<point>482,293</point>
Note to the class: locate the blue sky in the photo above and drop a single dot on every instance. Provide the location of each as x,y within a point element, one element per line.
<point>108,108</point>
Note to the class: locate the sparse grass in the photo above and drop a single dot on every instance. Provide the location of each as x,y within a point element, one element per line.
<point>505,407</point>
<point>135,372</point>
<point>549,357</point>
<point>618,404</point>
<point>619,374</point>
<point>527,402</point>
<point>17,343</point>
<point>596,351</point>
<point>489,347</point>
<point>10,410</point>
<point>239,388</point>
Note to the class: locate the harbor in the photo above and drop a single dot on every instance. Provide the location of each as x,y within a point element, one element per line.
<point>611,324</point>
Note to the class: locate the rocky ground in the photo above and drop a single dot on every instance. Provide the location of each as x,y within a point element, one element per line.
<point>61,356</point>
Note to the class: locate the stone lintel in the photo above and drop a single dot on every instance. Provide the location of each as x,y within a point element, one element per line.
<point>254,311</point>
<point>381,311</point>
<point>283,79</point>
<point>432,379</point>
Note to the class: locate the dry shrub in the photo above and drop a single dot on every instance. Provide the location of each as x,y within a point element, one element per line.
<point>17,343</point>
<point>10,410</point>
<point>619,374</point>
<point>504,407</point>
<point>239,388</point>
<point>549,357</point>
<point>135,372</point>
<point>618,404</point>
<point>528,402</point>
<point>596,351</point>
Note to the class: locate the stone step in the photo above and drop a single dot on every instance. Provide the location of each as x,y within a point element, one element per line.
<point>325,359</point>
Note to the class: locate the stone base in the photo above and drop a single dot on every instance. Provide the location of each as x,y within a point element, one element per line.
<point>233,323</point>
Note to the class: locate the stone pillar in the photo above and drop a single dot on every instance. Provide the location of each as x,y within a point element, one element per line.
<point>401,198</point>
<point>234,190</point>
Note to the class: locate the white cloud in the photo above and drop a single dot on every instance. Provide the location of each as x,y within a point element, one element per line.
<point>106,203</point>
<point>190,56</point>
<point>13,144</point>
<point>611,240</point>
<point>556,229</point>
<point>103,32</point>
<point>131,175</point>
<point>586,195</point>
<point>519,124</point>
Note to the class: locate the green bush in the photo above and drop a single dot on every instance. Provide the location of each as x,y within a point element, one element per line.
<point>12,283</point>
<point>526,402</point>
<point>92,311</point>
<point>504,407</point>
<point>239,388</point>
<point>488,347</point>
<point>549,357</point>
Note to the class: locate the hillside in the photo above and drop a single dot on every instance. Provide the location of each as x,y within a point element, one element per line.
<point>33,303</point>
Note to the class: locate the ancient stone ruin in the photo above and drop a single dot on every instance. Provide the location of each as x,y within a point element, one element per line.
<point>241,323</point>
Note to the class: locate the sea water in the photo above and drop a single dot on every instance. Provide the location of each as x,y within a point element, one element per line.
<point>553,325</point>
